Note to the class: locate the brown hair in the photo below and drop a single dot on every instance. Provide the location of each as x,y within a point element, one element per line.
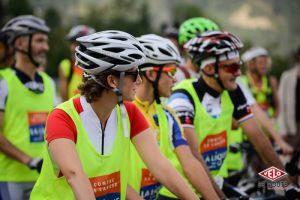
<point>93,90</point>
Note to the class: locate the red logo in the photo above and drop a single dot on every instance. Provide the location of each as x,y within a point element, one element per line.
<point>272,174</point>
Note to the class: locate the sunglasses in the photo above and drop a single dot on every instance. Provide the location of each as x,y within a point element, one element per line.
<point>232,68</point>
<point>170,71</point>
<point>134,74</point>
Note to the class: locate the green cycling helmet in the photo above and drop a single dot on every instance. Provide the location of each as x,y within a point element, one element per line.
<point>194,26</point>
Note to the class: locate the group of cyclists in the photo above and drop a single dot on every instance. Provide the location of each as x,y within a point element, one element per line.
<point>145,117</point>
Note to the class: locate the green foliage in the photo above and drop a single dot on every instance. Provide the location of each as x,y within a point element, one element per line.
<point>185,11</point>
<point>57,43</point>
<point>19,7</point>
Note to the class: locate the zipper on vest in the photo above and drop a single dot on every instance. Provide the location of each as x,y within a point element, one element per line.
<point>102,140</point>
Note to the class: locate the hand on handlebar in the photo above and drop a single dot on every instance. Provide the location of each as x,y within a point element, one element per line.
<point>285,147</point>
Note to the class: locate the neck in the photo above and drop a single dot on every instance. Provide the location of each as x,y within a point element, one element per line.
<point>104,105</point>
<point>25,65</point>
<point>145,92</point>
<point>212,83</point>
<point>256,77</point>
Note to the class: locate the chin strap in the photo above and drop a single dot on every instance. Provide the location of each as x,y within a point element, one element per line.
<point>28,52</point>
<point>216,74</point>
<point>155,85</point>
<point>119,91</point>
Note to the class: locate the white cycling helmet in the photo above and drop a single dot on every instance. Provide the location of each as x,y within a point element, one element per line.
<point>24,25</point>
<point>159,50</point>
<point>253,53</point>
<point>106,50</point>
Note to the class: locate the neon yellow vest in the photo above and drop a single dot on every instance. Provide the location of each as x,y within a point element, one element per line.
<point>261,95</point>
<point>168,151</point>
<point>75,79</point>
<point>144,182</point>
<point>212,132</point>
<point>107,173</point>
<point>24,121</point>
<point>235,160</point>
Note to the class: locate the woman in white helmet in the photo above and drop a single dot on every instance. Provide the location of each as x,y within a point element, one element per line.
<point>89,136</point>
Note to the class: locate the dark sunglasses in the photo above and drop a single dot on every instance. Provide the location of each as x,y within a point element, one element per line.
<point>133,74</point>
<point>232,68</point>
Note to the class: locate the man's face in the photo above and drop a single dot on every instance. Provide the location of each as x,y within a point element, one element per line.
<point>229,70</point>
<point>39,48</point>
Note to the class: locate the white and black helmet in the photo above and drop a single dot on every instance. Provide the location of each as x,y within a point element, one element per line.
<point>212,44</point>
<point>106,50</point>
<point>159,50</point>
<point>25,25</point>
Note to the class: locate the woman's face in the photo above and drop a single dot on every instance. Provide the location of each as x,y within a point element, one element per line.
<point>132,80</point>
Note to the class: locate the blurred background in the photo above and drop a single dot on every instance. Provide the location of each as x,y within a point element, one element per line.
<point>273,24</point>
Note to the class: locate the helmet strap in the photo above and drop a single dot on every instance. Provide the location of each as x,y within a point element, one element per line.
<point>155,85</point>
<point>216,74</point>
<point>119,91</point>
<point>28,52</point>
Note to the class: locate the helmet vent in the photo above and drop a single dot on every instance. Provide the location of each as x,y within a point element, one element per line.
<point>138,47</point>
<point>149,47</point>
<point>115,50</point>
<point>119,38</point>
<point>135,56</point>
<point>126,58</point>
<point>164,52</point>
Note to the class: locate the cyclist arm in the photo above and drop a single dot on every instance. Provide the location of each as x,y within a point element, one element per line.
<point>63,152</point>
<point>267,125</point>
<point>192,139</point>
<point>63,84</point>
<point>264,121</point>
<point>131,194</point>
<point>159,166</point>
<point>274,85</point>
<point>261,143</point>
<point>195,172</point>
<point>9,149</point>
